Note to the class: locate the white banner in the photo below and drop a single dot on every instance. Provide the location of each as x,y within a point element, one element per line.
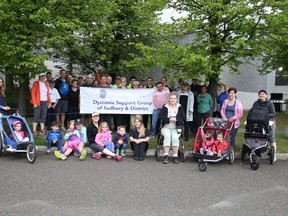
<point>116,101</point>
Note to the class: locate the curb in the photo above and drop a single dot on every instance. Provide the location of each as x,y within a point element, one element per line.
<point>151,153</point>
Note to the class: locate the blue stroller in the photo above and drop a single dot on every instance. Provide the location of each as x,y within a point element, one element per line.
<point>10,142</point>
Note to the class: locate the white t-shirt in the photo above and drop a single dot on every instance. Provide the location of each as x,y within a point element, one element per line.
<point>43,91</point>
<point>54,95</point>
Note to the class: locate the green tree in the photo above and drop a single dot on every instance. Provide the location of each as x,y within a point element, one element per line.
<point>213,34</point>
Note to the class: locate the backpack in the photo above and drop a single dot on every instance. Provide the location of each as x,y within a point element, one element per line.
<point>64,88</point>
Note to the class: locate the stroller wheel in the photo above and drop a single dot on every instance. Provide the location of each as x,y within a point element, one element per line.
<point>272,153</point>
<point>157,153</point>
<point>254,162</point>
<point>31,153</point>
<point>202,166</point>
<point>231,155</point>
<point>243,152</point>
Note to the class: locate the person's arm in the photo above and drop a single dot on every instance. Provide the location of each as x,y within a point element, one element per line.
<point>98,139</point>
<point>125,139</point>
<point>84,132</point>
<point>191,103</point>
<point>272,112</point>
<point>115,139</point>
<point>155,102</point>
<point>67,135</point>
<point>60,136</point>
<point>223,110</point>
<point>238,111</point>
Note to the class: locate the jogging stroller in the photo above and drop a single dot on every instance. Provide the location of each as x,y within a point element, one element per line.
<point>213,125</point>
<point>10,142</point>
<point>257,136</point>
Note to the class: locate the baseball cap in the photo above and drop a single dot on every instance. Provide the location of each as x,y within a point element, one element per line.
<point>78,122</point>
<point>42,74</point>
<point>16,122</point>
<point>95,114</point>
<point>118,78</point>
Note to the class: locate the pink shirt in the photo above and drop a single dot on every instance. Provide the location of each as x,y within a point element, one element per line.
<point>103,137</point>
<point>161,97</point>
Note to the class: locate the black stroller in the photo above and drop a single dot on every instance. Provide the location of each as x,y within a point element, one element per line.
<point>257,137</point>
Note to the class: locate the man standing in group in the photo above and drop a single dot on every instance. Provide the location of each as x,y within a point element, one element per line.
<point>62,85</point>
<point>160,97</point>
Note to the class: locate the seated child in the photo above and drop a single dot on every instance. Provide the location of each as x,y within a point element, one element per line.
<point>207,143</point>
<point>54,137</point>
<point>73,142</point>
<point>104,137</point>
<point>220,145</point>
<point>17,126</point>
<point>120,140</point>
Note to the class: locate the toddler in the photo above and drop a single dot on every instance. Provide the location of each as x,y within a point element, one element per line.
<point>17,126</point>
<point>220,145</point>
<point>73,142</point>
<point>54,137</point>
<point>120,140</point>
<point>104,137</point>
<point>207,143</point>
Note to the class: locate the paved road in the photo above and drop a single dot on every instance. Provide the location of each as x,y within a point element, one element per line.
<point>106,187</point>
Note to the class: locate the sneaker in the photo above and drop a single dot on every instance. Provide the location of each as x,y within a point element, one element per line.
<point>83,155</point>
<point>43,132</point>
<point>60,155</point>
<point>35,132</point>
<point>117,152</point>
<point>97,156</point>
<point>275,158</point>
<point>48,151</point>
<point>175,160</point>
<point>63,128</point>
<point>166,159</point>
<point>118,158</point>
<point>123,154</point>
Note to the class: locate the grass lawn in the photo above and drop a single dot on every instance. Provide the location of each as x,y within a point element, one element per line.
<point>281,139</point>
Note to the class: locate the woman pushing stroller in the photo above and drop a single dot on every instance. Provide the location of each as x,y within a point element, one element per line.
<point>264,102</point>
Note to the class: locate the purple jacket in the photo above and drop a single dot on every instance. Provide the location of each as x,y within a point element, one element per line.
<point>237,113</point>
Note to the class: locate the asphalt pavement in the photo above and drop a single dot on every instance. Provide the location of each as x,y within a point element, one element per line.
<point>106,187</point>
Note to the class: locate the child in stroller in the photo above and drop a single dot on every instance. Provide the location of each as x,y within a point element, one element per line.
<point>220,149</point>
<point>207,143</point>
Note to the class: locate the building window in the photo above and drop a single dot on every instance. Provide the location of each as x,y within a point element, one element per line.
<point>281,77</point>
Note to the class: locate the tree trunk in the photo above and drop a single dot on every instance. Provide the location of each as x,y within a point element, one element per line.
<point>212,91</point>
<point>9,83</point>
<point>24,92</point>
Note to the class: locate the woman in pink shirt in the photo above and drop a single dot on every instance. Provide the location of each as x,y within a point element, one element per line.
<point>232,110</point>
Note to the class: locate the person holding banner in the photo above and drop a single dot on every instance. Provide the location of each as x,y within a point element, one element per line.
<point>92,130</point>
<point>173,116</point>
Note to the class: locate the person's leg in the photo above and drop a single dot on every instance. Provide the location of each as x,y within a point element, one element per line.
<point>155,116</point>
<point>36,118</point>
<point>117,148</point>
<point>145,120</point>
<point>141,151</point>
<point>273,139</point>
<point>136,151</point>
<point>43,113</point>
<point>59,144</point>
<point>233,136</point>
<point>123,149</point>
<point>62,120</point>
<point>166,133</point>
<point>186,131</point>
<point>175,144</point>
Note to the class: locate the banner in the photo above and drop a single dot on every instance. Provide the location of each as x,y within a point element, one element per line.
<point>116,101</point>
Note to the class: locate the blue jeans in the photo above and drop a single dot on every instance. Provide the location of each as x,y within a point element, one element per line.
<point>155,116</point>
<point>121,147</point>
<point>50,143</point>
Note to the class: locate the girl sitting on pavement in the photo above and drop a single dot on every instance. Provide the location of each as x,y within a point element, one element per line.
<point>73,142</point>
<point>207,143</point>
<point>104,138</point>
<point>220,145</point>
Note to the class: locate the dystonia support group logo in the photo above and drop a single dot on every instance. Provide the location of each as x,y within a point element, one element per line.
<point>103,93</point>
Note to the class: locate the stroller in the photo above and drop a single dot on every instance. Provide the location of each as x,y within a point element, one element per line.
<point>9,138</point>
<point>213,125</point>
<point>256,137</point>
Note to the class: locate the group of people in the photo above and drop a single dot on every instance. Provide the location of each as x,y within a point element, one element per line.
<point>184,107</point>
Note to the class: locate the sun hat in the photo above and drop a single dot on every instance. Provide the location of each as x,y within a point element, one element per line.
<point>16,122</point>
